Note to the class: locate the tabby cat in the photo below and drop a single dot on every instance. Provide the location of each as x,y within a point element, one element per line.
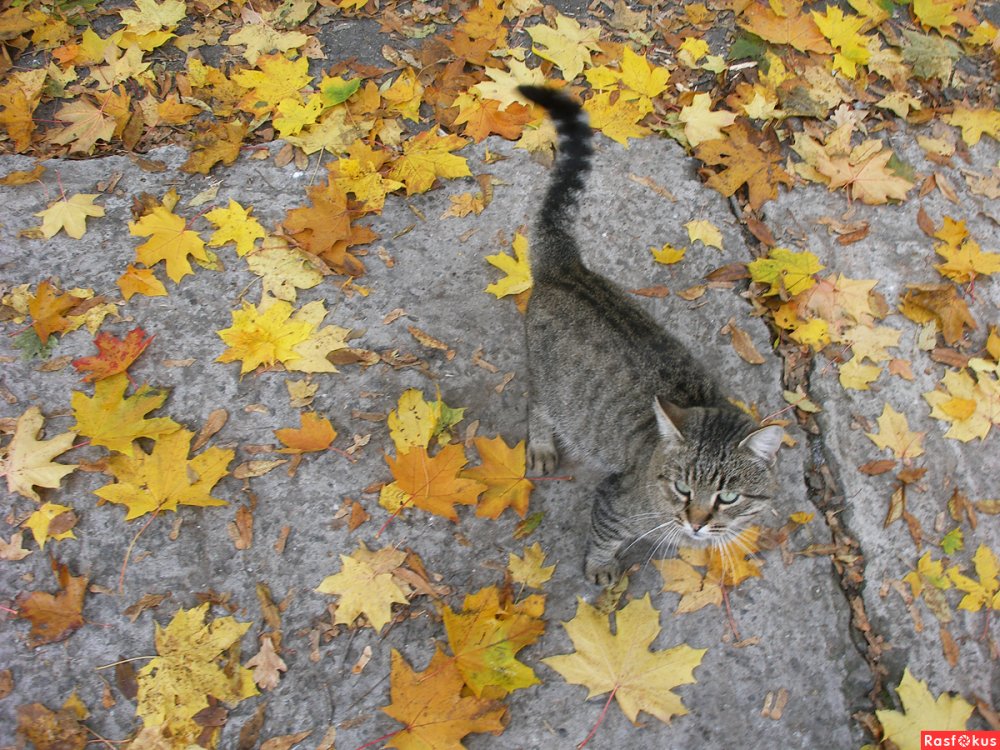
<point>617,391</point>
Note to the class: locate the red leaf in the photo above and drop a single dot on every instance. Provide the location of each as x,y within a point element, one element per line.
<point>113,355</point>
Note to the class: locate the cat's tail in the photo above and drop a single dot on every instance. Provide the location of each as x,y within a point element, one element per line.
<point>554,246</point>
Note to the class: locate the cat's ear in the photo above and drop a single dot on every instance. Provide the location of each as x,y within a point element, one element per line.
<point>764,443</point>
<point>669,419</point>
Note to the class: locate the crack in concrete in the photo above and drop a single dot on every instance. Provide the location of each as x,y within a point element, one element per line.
<point>825,493</point>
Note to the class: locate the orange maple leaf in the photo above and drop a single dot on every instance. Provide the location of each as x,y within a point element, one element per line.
<point>484,117</point>
<point>796,29</point>
<point>113,355</point>
<point>47,310</point>
<point>746,160</point>
<point>433,482</point>
<point>324,228</point>
<point>315,434</point>
<point>431,705</point>
<point>54,617</point>
<point>502,472</point>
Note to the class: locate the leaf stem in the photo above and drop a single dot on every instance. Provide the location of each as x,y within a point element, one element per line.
<point>600,719</point>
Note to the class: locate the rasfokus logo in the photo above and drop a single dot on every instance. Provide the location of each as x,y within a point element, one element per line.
<point>959,739</point>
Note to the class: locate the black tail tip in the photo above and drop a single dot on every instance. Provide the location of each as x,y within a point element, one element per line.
<point>558,104</point>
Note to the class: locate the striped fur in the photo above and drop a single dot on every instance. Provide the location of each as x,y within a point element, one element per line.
<point>618,392</point>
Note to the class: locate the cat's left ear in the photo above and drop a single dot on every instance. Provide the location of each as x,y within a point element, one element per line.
<point>764,443</point>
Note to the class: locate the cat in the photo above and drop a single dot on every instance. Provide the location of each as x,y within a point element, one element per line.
<point>620,393</point>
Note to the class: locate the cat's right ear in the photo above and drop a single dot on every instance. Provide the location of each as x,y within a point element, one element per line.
<point>669,420</point>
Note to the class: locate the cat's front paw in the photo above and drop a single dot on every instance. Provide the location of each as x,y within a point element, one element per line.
<point>603,572</point>
<point>542,459</point>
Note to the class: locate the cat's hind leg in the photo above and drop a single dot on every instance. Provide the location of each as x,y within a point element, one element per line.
<point>542,456</point>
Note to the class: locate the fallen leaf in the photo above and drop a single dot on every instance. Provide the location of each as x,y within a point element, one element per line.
<point>113,355</point>
<point>27,462</point>
<point>366,586</point>
<point>530,569</point>
<point>921,712</point>
<point>193,662</point>
<point>502,471</point>
<point>54,617</point>
<point>315,434</point>
<point>115,421</point>
<point>640,679</point>
<point>166,478</point>
<point>70,215</point>
<point>432,708</point>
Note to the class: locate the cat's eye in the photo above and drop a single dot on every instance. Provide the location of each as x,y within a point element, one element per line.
<point>682,487</point>
<point>727,497</point>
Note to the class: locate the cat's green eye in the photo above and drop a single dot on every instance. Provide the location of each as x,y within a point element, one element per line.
<point>682,487</point>
<point>727,497</point>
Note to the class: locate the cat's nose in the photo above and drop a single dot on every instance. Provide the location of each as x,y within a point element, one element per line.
<point>696,527</point>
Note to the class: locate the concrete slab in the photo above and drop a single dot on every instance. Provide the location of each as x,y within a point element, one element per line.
<point>438,276</point>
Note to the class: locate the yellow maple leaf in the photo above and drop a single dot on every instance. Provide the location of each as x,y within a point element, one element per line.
<point>86,125</point>
<point>27,462</point>
<point>971,406</point>
<point>284,269</point>
<point>502,471</point>
<point>786,270</point>
<point>929,572</point>
<point>486,636</point>
<point>41,520</point>
<point>433,482</point>
<point>935,14</point>
<point>668,254</point>
<point>359,175</point>
<point>264,336</point>
<point>516,266</point>
<point>235,224</point>
<point>921,712</point>
<point>982,593</point>
<point>568,45</point>
<point>854,374</point>
<point>193,665</point>
<point>415,421</point>
<point>114,421</point>
<point>165,478</point>
<point>641,680</point>
<point>169,240</point>
<point>276,79</point>
<point>262,38</point>
<point>697,592</point>
<point>366,586</point>
<point>704,231</point>
<point>642,81</point>
<point>69,215</point>
<point>975,122</point>
<point>814,332</point>
<point>530,569</point>
<point>966,261</point>
<point>895,434</point>
<point>426,157</point>
<point>842,31</point>
<point>403,96</point>
<point>871,342</point>
<point>865,175</point>
<point>292,114</point>
<point>701,123</point>
<point>617,117</point>
<point>140,281</point>
<point>735,561</point>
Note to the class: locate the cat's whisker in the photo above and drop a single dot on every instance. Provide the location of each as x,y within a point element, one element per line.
<point>644,535</point>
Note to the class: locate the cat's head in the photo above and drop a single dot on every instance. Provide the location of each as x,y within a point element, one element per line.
<point>713,472</point>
